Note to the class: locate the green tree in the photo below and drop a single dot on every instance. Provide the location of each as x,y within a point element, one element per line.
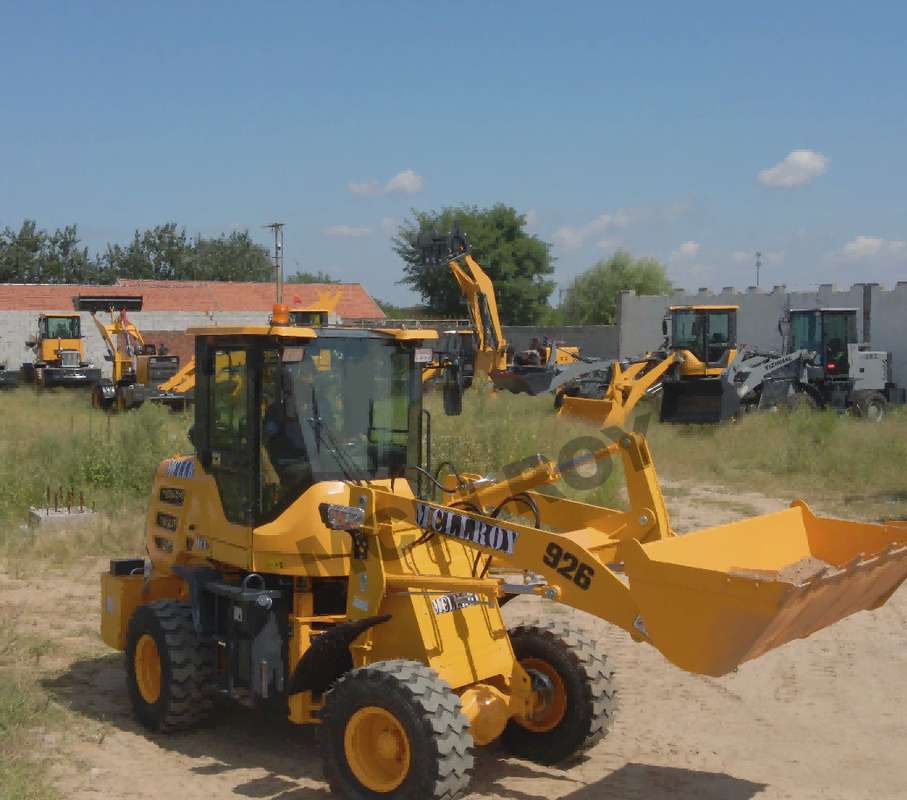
<point>30,255</point>
<point>309,277</point>
<point>158,254</point>
<point>591,299</point>
<point>167,254</point>
<point>517,263</point>
<point>230,258</point>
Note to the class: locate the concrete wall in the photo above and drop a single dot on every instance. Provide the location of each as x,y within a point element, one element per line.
<point>17,326</point>
<point>881,316</point>
<point>594,341</point>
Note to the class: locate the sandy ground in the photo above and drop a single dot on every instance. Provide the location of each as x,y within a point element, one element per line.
<point>824,717</point>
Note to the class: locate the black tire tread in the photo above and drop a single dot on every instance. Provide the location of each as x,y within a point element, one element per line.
<point>593,711</point>
<point>186,701</point>
<point>441,720</point>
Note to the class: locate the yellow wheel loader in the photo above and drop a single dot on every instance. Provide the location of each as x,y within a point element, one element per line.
<point>305,556</point>
<point>59,354</point>
<point>700,342</point>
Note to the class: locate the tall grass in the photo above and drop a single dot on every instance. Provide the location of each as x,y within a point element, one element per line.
<point>55,440</point>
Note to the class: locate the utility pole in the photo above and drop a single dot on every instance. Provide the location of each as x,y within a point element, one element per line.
<point>758,264</point>
<point>277,227</point>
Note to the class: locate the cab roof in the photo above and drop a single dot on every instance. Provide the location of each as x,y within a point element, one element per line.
<point>704,308</point>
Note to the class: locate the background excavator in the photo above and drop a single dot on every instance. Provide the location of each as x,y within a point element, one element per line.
<point>307,557</point>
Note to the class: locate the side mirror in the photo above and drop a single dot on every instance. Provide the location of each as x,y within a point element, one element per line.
<point>664,326</point>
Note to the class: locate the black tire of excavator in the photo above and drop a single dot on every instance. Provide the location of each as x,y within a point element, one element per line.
<point>570,391</point>
<point>426,712</point>
<point>872,407</point>
<point>186,667</point>
<point>588,683</point>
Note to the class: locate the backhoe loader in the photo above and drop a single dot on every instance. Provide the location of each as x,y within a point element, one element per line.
<point>700,342</point>
<point>138,370</point>
<point>475,353</point>
<point>305,556</point>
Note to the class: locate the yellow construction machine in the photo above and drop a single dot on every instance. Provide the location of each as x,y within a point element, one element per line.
<point>700,342</point>
<point>474,353</point>
<point>138,370</point>
<point>59,354</point>
<point>305,556</point>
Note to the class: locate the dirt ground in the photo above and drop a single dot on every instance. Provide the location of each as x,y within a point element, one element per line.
<point>824,717</point>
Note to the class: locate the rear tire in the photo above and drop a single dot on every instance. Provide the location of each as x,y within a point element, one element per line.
<point>395,730</point>
<point>168,668</point>
<point>575,699</point>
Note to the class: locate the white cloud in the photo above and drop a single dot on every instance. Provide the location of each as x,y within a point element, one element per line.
<point>686,250</point>
<point>347,230</point>
<point>571,238</point>
<point>406,182</point>
<point>870,247</point>
<point>389,226</point>
<point>798,169</point>
<point>365,189</point>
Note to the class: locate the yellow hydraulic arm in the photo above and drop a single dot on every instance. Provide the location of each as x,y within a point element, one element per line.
<point>708,601</point>
<point>483,308</point>
<point>625,389</point>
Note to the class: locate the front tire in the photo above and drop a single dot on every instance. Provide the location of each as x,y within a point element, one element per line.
<point>574,695</point>
<point>872,407</point>
<point>395,730</point>
<point>167,667</point>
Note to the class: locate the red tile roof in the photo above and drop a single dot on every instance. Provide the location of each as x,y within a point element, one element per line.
<point>354,301</point>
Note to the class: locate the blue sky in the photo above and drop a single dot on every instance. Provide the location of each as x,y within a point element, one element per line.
<point>695,133</point>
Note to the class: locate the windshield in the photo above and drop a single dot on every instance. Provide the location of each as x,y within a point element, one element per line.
<point>685,332</point>
<point>352,399</point>
<point>60,328</point>
<point>827,334</point>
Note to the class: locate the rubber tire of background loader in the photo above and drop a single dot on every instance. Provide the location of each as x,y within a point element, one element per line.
<point>392,710</point>
<point>583,703</point>
<point>163,653</point>
<point>872,407</point>
<point>570,391</point>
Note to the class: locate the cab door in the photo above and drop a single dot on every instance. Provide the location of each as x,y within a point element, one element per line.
<point>226,423</point>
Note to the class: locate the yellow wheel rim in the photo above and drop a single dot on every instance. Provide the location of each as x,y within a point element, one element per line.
<point>548,707</point>
<point>377,749</point>
<point>148,669</point>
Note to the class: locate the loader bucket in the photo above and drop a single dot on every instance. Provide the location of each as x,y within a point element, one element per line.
<point>698,401</point>
<point>107,302</point>
<point>714,599</point>
<point>532,382</point>
<point>595,410</point>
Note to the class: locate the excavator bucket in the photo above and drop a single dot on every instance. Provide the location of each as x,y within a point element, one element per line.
<point>698,401</point>
<point>714,599</point>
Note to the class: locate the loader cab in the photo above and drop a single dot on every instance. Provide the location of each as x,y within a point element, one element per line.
<point>827,332</point>
<point>708,333</point>
<point>60,339</point>
<point>277,414</point>
<point>309,317</point>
